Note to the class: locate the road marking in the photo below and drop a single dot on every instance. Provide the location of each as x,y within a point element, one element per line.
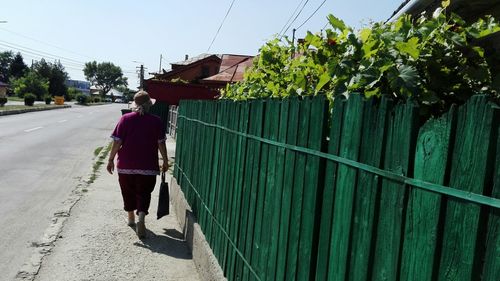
<point>79,116</point>
<point>62,121</point>
<point>32,129</point>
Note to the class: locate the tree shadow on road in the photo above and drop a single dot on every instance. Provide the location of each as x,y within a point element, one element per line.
<point>170,243</point>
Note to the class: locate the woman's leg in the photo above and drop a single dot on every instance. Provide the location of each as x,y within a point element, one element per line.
<point>145,185</point>
<point>128,192</point>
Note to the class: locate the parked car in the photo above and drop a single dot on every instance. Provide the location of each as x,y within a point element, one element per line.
<point>118,100</point>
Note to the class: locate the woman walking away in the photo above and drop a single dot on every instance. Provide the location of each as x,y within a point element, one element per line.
<point>137,138</point>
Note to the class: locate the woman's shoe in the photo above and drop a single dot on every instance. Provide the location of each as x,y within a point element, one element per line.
<point>141,230</point>
<point>131,219</point>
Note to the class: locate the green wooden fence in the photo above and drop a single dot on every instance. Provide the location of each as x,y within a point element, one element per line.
<point>291,190</point>
<point>161,109</point>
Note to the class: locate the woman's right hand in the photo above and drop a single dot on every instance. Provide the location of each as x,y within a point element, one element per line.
<point>111,166</point>
<point>164,167</point>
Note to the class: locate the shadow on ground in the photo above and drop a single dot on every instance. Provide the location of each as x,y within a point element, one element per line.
<point>170,243</point>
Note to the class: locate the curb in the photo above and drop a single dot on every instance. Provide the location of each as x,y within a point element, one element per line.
<point>19,111</point>
<point>205,261</point>
<point>29,269</point>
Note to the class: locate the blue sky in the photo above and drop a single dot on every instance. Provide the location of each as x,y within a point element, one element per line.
<point>129,33</point>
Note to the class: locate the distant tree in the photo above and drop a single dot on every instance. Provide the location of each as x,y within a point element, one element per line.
<point>31,83</point>
<point>5,61</point>
<point>72,94</point>
<point>105,75</point>
<point>57,81</point>
<point>17,67</point>
<point>55,74</point>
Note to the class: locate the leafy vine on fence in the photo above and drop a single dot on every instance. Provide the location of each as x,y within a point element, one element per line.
<point>437,59</point>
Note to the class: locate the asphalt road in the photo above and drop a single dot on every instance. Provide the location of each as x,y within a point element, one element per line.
<point>43,157</point>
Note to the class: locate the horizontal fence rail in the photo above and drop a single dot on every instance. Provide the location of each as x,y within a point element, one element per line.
<point>293,190</point>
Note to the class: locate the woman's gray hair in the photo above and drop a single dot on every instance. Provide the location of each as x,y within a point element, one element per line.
<point>143,108</point>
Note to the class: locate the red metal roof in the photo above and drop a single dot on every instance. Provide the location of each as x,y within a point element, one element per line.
<point>231,69</point>
<point>172,93</point>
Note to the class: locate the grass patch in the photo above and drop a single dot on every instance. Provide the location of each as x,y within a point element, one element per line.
<point>15,99</point>
<point>97,151</point>
<point>103,152</point>
<point>20,107</point>
<point>93,103</point>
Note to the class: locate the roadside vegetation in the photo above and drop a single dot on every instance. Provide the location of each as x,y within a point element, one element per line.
<point>101,153</point>
<point>438,60</point>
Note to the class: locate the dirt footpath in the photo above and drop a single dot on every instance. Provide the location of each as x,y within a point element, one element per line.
<point>96,243</point>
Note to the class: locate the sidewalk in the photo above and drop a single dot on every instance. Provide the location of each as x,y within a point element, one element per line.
<point>97,244</point>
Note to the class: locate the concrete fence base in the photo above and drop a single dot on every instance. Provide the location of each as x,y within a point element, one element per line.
<point>203,257</point>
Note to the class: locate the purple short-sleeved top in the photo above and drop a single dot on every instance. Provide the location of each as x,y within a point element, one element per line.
<point>140,135</point>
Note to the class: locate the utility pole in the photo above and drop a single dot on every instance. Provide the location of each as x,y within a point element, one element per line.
<point>293,43</point>
<point>159,70</point>
<point>141,85</point>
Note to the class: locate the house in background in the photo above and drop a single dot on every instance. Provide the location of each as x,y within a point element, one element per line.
<point>200,77</point>
<point>82,86</point>
<point>114,94</point>
<point>231,70</point>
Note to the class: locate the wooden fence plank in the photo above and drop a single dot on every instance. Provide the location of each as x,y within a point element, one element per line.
<point>215,177</point>
<point>345,188</point>
<point>491,270</point>
<point>232,189</point>
<point>298,192</point>
<point>239,195</point>
<point>372,147</point>
<point>259,245</point>
<point>288,186</point>
<point>258,116</point>
<point>277,228</point>
<point>224,186</point>
<point>247,190</point>
<point>329,191</point>
<point>400,149</point>
<point>272,119</point>
<point>422,217</point>
<point>471,163</point>
<point>310,218</point>
<point>211,114</point>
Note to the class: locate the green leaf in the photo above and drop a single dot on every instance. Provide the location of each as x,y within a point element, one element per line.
<point>337,23</point>
<point>399,24</point>
<point>445,4</point>
<point>489,31</point>
<point>479,51</point>
<point>373,92</point>
<point>323,80</point>
<point>364,34</point>
<point>409,75</point>
<point>411,47</point>
<point>368,48</point>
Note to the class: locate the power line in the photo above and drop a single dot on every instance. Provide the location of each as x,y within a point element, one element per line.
<point>45,43</point>
<point>221,24</point>
<point>38,52</point>
<point>291,16</point>
<point>315,11</point>
<point>38,57</point>
<point>301,9</point>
